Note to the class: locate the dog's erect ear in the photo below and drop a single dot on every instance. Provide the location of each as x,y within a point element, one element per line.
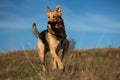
<point>59,10</point>
<point>48,9</point>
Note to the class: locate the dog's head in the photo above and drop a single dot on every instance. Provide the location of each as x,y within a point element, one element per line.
<point>54,16</point>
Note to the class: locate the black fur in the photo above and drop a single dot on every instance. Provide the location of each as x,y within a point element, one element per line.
<point>59,32</point>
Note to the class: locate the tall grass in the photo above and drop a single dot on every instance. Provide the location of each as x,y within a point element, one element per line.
<point>93,64</point>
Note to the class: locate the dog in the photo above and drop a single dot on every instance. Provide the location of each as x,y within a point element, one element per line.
<point>52,39</point>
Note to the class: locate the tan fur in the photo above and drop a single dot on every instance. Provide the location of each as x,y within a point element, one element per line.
<point>41,48</point>
<point>52,15</point>
<point>53,42</point>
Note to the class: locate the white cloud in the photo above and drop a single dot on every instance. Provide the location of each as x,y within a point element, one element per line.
<point>19,22</point>
<point>92,23</point>
<point>11,18</point>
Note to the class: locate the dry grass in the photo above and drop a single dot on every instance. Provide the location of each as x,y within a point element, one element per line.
<point>93,64</point>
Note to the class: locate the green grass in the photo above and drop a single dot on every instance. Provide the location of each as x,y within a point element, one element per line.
<point>93,64</point>
<point>23,74</point>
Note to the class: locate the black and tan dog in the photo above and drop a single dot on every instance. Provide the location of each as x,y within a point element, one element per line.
<point>52,39</point>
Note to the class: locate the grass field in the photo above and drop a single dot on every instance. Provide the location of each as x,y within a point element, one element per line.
<point>92,64</point>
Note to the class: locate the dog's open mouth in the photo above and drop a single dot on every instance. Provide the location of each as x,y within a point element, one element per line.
<point>54,25</point>
<point>57,26</point>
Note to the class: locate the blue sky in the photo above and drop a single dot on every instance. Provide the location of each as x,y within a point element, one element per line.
<point>91,23</point>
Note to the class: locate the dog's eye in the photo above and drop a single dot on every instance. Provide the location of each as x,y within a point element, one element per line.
<point>48,16</point>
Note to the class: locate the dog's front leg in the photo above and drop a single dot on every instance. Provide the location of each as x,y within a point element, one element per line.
<point>54,64</point>
<point>55,56</point>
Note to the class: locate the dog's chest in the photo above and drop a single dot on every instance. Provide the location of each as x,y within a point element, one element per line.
<point>52,40</point>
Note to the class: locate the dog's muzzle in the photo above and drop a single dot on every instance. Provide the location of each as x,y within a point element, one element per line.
<point>54,25</point>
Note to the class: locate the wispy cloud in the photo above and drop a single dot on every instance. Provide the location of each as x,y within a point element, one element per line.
<point>22,16</point>
<point>90,22</point>
<point>19,17</point>
<point>93,23</point>
<point>20,22</point>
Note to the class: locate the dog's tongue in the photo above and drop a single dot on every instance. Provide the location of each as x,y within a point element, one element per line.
<point>57,26</point>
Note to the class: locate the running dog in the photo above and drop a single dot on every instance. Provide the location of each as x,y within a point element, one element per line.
<point>52,39</point>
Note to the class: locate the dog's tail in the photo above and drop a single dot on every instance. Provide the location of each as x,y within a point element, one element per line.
<point>34,30</point>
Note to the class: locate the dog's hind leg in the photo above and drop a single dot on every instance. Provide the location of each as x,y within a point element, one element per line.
<point>41,51</point>
<point>65,46</point>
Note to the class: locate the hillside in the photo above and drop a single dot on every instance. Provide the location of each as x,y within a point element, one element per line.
<point>93,64</point>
